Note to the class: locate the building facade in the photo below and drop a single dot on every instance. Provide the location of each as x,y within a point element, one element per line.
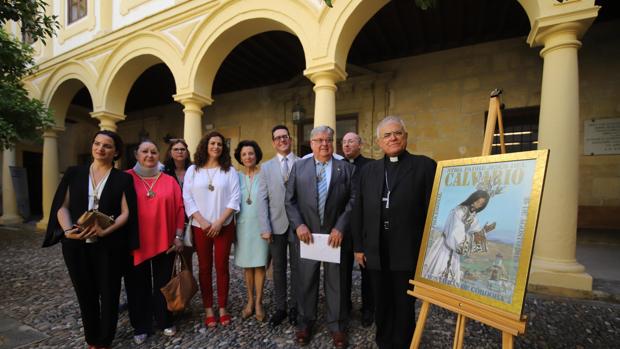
<point>88,73</point>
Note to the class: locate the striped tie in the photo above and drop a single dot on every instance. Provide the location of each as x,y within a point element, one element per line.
<point>321,185</point>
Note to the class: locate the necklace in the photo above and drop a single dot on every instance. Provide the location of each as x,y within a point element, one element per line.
<point>210,186</point>
<point>149,187</point>
<point>97,187</point>
<point>249,188</point>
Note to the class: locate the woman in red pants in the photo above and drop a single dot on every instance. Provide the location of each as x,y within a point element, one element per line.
<point>211,196</point>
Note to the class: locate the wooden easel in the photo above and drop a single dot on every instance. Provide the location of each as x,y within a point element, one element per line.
<point>510,324</point>
<point>494,115</point>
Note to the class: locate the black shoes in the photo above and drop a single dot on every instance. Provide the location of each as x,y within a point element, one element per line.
<point>277,318</point>
<point>367,318</point>
<point>292,316</point>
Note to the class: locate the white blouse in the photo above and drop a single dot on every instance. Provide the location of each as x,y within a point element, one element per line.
<point>211,204</point>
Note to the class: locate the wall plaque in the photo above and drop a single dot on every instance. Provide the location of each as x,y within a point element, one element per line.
<point>601,136</point>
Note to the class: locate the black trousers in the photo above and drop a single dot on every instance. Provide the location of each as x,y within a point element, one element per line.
<point>144,299</point>
<point>394,308</point>
<point>280,258</point>
<point>95,272</point>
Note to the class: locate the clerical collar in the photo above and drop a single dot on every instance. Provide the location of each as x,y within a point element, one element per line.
<point>351,160</point>
<point>394,159</point>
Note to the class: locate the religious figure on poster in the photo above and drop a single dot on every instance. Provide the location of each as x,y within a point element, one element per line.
<point>462,235</point>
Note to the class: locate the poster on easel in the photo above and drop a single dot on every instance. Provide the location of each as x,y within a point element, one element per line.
<point>480,228</point>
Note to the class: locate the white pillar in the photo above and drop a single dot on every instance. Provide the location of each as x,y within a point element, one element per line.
<point>9,202</point>
<point>50,173</point>
<point>192,109</point>
<point>554,262</point>
<point>325,79</point>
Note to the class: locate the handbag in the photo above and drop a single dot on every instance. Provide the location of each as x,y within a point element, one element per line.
<point>88,219</point>
<point>181,287</point>
<point>188,235</point>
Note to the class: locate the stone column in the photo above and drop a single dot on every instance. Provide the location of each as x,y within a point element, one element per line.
<point>554,262</point>
<point>325,80</point>
<point>107,120</point>
<point>50,172</point>
<point>9,201</point>
<point>192,109</point>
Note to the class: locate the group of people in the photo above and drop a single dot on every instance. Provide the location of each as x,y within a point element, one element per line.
<point>372,210</point>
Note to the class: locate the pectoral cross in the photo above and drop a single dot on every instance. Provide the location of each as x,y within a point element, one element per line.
<point>387,200</point>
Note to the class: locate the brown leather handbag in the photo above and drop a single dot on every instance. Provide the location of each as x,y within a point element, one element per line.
<point>181,287</point>
<point>88,219</point>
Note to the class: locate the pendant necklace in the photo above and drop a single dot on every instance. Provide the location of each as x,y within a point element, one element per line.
<point>149,187</point>
<point>249,188</point>
<point>210,186</point>
<point>97,187</point>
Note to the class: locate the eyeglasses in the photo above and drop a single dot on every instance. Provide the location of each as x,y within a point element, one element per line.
<point>281,138</point>
<point>323,140</point>
<point>180,150</point>
<point>397,134</point>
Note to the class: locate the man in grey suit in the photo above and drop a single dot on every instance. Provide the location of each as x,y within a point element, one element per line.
<point>275,174</point>
<point>319,199</point>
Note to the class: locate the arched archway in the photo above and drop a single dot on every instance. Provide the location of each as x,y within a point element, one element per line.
<point>233,24</point>
<point>127,63</point>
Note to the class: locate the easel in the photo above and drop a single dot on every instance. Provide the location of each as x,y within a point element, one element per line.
<point>510,324</point>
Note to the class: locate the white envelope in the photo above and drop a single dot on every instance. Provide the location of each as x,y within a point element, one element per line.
<point>319,250</point>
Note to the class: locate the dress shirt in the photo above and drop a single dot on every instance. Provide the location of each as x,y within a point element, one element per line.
<point>328,171</point>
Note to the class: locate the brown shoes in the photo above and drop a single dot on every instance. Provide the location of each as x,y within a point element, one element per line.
<point>340,339</point>
<point>302,336</point>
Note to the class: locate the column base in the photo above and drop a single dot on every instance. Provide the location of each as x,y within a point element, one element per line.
<point>563,274</point>
<point>11,219</point>
<point>42,224</point>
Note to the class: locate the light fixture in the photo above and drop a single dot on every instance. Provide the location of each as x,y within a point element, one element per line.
<point>299,113</point>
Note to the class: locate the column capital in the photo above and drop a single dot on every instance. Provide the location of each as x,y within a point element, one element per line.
<point>192,99</point>
<point>574,23</point>
<point>52,131</point>
<point>107,120</point>
<point>318,74</point>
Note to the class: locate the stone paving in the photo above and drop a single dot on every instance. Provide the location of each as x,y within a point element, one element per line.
<point>37,292</point>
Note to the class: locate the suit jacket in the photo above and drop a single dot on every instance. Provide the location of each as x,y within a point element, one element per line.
<point>302,197</point>
<point>76,181</point>
<point>409,198</point>
<point>273,186</point>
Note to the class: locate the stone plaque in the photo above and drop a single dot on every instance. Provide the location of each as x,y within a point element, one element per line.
<point>601,136</point>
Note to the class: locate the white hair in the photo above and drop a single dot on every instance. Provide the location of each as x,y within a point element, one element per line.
<point>322,129</point>
<point>388,120</point>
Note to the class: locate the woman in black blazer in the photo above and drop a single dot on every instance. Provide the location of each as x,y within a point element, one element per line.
<point>94,256</point>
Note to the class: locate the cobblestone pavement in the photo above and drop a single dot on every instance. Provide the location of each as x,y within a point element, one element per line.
<point>37,292</point>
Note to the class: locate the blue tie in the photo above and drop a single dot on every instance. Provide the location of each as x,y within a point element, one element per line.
<point>321,185</point>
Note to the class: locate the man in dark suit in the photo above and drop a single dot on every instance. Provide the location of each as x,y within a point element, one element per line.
<point>388,222</point>
<point>351,149</point>
<point>319,200</point>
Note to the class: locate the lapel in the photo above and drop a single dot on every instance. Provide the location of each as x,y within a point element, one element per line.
<point>83,185</point>
<point>108,183</point>
<point>379,173</point>
<point>406,166</point>
<point>314,192</point>
<point>335,176</point>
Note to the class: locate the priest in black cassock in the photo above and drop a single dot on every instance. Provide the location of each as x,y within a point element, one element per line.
<point>387,223</point>
<point>351,149</point>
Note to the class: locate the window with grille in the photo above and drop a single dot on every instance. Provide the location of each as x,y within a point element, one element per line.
<point>76,9</point>
<point>520,130</point>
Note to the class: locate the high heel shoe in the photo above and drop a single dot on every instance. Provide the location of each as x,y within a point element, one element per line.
<point>260,313</point>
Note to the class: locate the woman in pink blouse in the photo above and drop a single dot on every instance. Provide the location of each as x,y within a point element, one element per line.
<point>161,218</point>
<point>211,196</point>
